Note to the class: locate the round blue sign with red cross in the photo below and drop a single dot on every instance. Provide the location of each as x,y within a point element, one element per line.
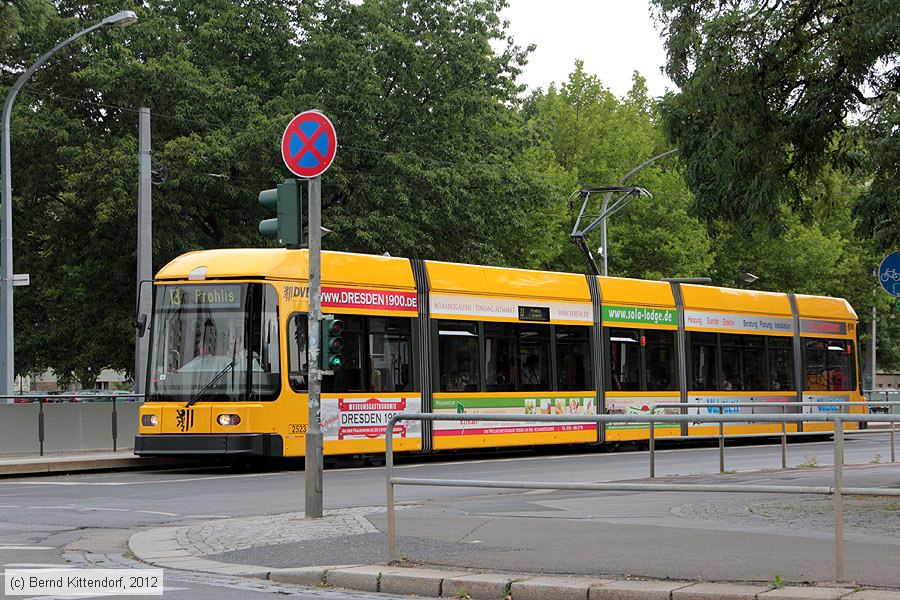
<point>309,144</point>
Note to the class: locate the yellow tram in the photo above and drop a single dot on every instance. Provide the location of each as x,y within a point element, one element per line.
<point>227,363</point>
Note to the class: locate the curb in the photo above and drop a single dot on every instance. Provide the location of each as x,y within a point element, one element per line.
<point>159,547</point>
<point>46,466</point>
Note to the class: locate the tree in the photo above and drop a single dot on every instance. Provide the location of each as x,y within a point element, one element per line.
<point>597,138</point>
<point>434,160</point>
<point>767,92</point>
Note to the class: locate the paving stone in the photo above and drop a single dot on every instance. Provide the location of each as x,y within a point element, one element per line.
<point>714,591</point>
<point>418,582</point>
<point>164,554</point>
<point>365,578</point>
<point>479,586</point>
<point>874,595</point>
<point>806,593</point>
<point>558,588</point>
<point>636,590</point>
<point>191,564</point>
<point>311,576</point>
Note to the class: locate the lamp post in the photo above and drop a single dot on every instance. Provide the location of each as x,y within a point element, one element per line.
<point>7,371</point>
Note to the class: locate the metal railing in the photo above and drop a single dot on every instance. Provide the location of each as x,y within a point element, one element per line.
<point>885,396</point>
<point>837,490</point>
<point>893,407</point>
<point>80,429</point>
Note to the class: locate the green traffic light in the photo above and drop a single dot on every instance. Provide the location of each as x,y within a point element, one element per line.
<point>287,227</point>
<point>332,344</point>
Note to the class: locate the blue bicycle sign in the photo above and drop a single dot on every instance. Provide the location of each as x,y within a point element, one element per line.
<point>889,273</point>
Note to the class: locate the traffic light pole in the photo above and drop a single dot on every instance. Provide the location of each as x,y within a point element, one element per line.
<point>314,466</point>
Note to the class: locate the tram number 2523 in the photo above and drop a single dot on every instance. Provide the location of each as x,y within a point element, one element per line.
<point>298,428</point>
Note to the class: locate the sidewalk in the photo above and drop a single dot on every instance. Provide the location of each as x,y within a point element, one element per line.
<point>584,545</point>
<point>73,462</point>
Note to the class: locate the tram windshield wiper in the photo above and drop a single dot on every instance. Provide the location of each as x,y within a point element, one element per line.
<point>211,383</point>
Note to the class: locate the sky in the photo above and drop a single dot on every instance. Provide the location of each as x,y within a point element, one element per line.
<point>613,37</point>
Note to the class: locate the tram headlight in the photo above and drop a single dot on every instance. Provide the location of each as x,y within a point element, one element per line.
<point>149,420</point>
<point>228,420</point>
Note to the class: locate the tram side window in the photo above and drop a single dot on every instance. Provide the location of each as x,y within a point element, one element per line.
<point>263,358</point>
<point>660,359</point>
<point>625,359</point>
<point>500,357</point>
<point>390,354</point>
<point>703,361</point>
<point>754,359</point>
<point>781,364</point>
<point>517,357</point>
<point>297,347</point>
<point>534,357</point>
<point>732,362</point>
<point>743,362</point>
<point>573,359</point>
<point>829,365</point>
<point>458,356</point>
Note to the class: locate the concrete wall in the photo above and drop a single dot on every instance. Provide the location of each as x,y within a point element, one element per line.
<point>67,426</point>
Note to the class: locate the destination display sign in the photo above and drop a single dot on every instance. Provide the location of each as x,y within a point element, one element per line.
<point>206,296</point>
<point>694,319</point>
<point>534,313</point>
<point>823,327</point>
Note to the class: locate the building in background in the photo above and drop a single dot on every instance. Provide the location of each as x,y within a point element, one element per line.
<point>48,382</point>
<point>887,380</point>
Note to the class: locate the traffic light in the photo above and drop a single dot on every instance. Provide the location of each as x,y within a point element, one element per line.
<point>287,227</point>
<point>332,344</point>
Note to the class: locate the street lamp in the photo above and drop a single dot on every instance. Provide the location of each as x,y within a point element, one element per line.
<point>7,372</point>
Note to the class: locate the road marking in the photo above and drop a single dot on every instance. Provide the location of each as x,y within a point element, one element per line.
<point>206,516</point>
<point>150,482</point>
<point>37,565</point>
<point>156,512</point>
<point>26,548</point>
<point>93,508</point>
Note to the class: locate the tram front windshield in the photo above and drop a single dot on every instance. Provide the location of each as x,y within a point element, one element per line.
<point>214,343</point>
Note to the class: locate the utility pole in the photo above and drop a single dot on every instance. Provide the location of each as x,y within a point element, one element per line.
<point>308,147</point>
<point>144,247</point>
<point>873,342</point>
<point>313,471</point>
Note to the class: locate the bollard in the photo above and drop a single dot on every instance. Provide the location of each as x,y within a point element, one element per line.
<point>784,440</point>
<point>391,515</point>
<point>652,449</point>
<point>893,445</point>
<point>41,424</point>
<point>115,425</point>
<point>838,501</point>
<point>721,442</point>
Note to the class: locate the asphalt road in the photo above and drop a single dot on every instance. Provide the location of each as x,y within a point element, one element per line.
<point>39,516</point>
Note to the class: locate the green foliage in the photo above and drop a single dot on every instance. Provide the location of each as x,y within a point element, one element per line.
<point>767,88</point>
<point>439,156</point>
<point>598,138</point>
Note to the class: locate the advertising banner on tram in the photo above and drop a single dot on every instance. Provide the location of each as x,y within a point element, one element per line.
<point>531,405</point>
<point>366,417</point>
